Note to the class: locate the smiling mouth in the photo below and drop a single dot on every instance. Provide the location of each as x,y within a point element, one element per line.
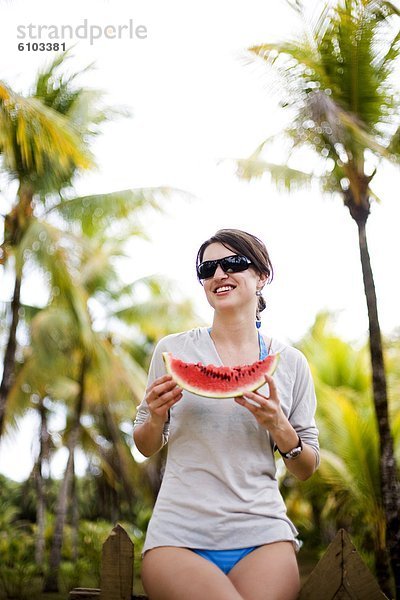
<point>223,289</point>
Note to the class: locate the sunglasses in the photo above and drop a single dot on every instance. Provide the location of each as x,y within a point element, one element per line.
<point>230,264</point>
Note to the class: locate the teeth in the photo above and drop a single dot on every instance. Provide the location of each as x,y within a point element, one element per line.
<point>225,288</point>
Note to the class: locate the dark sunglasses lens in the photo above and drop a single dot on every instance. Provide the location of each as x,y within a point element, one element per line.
<point>207,269</point>
<point>230,264</point>
<point>234,264</point>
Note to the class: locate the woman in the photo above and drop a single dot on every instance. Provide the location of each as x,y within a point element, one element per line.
<point>219,528</point>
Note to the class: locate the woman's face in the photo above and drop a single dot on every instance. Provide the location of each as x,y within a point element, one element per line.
<point>230,290</point>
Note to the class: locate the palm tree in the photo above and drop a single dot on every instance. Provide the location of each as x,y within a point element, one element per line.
<point>338,89</point>
<point>59,364</point>
<point>56,232</point>
<point>40,148</point>
<point>98,380</point>
<point>44,144</point>
<point>346,490</point>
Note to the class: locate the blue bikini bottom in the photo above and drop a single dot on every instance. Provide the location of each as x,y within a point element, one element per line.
<point>225,559</point>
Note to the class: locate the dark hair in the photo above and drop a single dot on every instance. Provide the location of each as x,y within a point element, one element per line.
<point>246,244</point>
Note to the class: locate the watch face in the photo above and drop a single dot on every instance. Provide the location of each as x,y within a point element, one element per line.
<point>295,452</point>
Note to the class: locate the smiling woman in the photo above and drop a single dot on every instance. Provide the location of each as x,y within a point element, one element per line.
<point>250,252</point>
<point>219,526</point>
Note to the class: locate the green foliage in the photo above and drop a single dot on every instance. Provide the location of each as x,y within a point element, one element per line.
<point>45,136</point>
<point>74,243</point>
<point>21,578</point>
<point>85,570</point>
<point>345,491</point>
<point>8,494</point>
<point>337,83</point>
<point>38,145</point>
<point>18,572</point>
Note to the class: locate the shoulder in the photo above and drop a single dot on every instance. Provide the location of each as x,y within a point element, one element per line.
<point>295,357</point>
<point>178,342</point>
<point>292,358</point>
<point>286,351</point>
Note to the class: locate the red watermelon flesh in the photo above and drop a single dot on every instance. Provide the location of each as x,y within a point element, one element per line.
<point>219,382</point>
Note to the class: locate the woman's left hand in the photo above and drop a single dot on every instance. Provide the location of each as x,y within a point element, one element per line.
<point>266,409</point>
<point>269,414</point>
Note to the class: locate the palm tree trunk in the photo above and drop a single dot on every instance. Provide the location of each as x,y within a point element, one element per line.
<point>40,518</point>
<point>40,491</point>
<point>9,357</point>
<point>15,225</point>
<point>389,481</point>
<point>121,454</point>
<point>75,518</point>
<point>51,580</point>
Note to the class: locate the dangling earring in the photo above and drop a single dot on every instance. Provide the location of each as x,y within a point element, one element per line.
<point>258,320</point>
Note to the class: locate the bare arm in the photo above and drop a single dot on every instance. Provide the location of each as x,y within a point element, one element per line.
<point>160,396</point>
<point>286,438</point>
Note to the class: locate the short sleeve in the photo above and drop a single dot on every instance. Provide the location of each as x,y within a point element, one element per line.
<point>156,369</point>
<point>302,414</point>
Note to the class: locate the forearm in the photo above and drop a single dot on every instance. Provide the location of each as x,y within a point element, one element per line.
<point>161,395</point>
<point>148,436</point>
<point>303,465</point>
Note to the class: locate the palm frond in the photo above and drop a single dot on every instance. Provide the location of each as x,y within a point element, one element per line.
<point>55,338</point>
<point>374,195</point>
<point>27,384</point>
<point>394,145</point>
<point>35,138</point>
<point>45,244</point>
<point>297,65</point>
<point>27,312</point>
<point>284,177</point>
<point>60,91</point>
<point>338,85</point>
<point>99,210</point>
<point>62,389</point>
<point>158,317</point>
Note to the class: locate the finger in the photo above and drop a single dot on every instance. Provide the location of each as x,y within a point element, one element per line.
<point>249,405</point>
<point>176,398</point>
<point>272,385</point>
<point>163,388</point>
<point>158,381</point>
<point>166,394</point>
<point>256,397</point>
<point>162,409</point>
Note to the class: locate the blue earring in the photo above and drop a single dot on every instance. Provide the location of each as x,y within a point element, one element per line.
<point>258,320</point>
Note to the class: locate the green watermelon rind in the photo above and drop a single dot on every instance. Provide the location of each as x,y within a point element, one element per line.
<point>209,392</point>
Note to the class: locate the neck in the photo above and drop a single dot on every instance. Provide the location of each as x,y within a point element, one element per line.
<point>231,328</point>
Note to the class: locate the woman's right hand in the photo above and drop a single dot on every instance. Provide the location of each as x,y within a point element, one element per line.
<point>160,396</point>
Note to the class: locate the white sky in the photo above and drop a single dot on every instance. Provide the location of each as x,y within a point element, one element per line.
<point>196,100</point>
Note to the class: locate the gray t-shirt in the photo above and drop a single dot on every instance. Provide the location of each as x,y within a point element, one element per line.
<point>219,489</point>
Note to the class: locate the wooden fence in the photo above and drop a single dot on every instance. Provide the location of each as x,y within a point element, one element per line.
<point>339,575</point>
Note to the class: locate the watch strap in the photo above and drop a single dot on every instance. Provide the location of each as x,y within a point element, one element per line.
<point>293,452</point>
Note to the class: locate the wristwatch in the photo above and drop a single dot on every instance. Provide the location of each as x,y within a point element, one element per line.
<point>293,452</point>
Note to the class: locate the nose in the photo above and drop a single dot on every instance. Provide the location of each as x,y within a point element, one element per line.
<point>219,272</point>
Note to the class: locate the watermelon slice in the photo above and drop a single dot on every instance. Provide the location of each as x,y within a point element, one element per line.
<point>219,382</point>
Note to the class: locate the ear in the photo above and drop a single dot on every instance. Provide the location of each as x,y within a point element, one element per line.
<point>262,279</point>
